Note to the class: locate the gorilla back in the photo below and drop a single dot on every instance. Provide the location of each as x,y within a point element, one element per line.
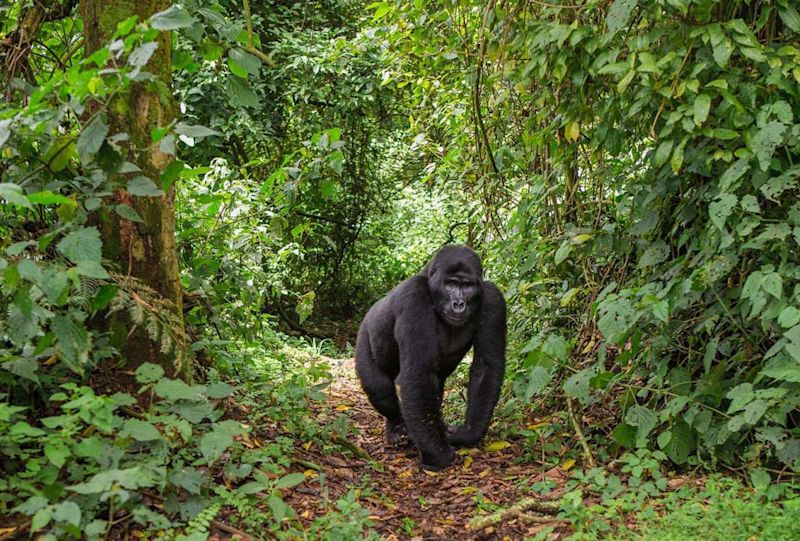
<point>416,336</point>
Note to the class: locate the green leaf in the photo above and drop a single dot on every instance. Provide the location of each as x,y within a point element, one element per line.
<point>41,519</point>
<point>755,410</point>
<point>18,247</point>
<point>57,453</point>
<point>681,442</point>
<point>619,14</point>
<point>750,204</point>
<point>789,317</point>
<point>722,51</point>
<point>31,505</point>
<point>53,283</point>
<point>577,385</point>
<point>72,341</point>
<point>782,369</point>
<point>721,208</point>
<point>789,15</point>
<point>240,93</point>
<point>67,511</point>
<point>290,480</point>
<point>740,396</point>
<point>773,284</point>
<point>82,245</point>
<point>171,18</point>
<point>5,131</point>
<point>538,379</point>
<point>140,430</point>
<point>129,479</point>
<point>47,197</point>
<point>142,54</point>
<point>766,141</point>
<point>663,152</point>
<point>563,251</point>
<point>148,373</point>
<point>220,390</point>
<point>143,187</point>
<point>92,136</point>
<point>617,316</point>
<point>175,389</point>
<point>14,195</point>
<point>732,174</point>
<point>213,444</point>
<point>677,157</point>
<point>194,131</point>
<point>92,269</point>
<point>625,435</point>
<point>249,63</point>
<point>278,508</point>
<point>103,297</point>
<point>644,420</point>
<point>700,108</point>
<point>128,213</point>
<point>656,253</point>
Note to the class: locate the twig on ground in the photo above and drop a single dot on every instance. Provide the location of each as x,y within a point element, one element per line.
<point>528,504</point>
<point>538,519</point>
<point>231,530</point>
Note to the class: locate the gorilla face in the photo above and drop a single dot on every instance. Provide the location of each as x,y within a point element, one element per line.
<point>455,283</point>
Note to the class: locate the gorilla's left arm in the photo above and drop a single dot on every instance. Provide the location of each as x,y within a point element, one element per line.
<point>487,371</point>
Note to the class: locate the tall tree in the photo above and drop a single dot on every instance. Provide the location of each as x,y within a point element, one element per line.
<point>144,251</point>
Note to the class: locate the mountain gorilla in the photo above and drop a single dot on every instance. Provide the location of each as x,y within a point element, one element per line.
<point>416,336</point>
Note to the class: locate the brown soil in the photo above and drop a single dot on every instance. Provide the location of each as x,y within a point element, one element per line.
<point>440,505</point>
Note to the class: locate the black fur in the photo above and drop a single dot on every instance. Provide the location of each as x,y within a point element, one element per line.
<point>416,335</point>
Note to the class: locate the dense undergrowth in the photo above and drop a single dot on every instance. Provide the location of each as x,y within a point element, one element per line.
<point>628,171</point>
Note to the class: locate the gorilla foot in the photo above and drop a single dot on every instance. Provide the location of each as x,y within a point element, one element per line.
<point>396,433</point>
<point>440,461</point>
<point>461,436</point>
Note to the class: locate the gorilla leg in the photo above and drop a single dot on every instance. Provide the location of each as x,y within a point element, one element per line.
<point>381,393</point>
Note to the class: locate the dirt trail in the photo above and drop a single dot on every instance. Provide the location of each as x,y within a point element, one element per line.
<point>440,505</point>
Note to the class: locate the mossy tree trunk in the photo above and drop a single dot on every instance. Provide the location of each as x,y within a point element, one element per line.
<point>143,251</point>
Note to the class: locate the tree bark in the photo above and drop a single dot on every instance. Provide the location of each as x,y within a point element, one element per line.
<point>143,251</point>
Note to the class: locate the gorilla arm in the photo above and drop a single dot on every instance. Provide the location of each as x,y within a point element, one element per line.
<point>487,370</point>
<point>415,332</point>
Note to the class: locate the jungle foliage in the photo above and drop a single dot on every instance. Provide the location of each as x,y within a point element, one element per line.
<point>628,170</point>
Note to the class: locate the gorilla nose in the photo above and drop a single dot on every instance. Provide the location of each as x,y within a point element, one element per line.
<point>459,306</point>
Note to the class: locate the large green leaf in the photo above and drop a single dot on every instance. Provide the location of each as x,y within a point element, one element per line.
<point>766,141</point>
<point>618,15</point>
<point>700,108</point>
<point>248,63</point>
<point>240,93</point>
<point>140,430</point>
<point>14,195</point>
<point>82,245</point>
<point>172,18</point>
<point>91,138</point>
<point>143,187</point>
<point>72,341</point>
<point>644,419</point>
<point>721,208</point>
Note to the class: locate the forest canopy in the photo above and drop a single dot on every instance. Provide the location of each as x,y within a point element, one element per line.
<point>199,202</point>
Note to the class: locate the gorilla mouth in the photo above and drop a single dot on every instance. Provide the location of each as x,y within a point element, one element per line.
<point>456,319</point>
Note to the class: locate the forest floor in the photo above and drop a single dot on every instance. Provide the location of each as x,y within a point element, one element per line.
<point>357,487</point>
<point>406,502</point>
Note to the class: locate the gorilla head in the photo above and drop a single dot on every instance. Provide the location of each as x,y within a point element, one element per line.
<point>456,284</point>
